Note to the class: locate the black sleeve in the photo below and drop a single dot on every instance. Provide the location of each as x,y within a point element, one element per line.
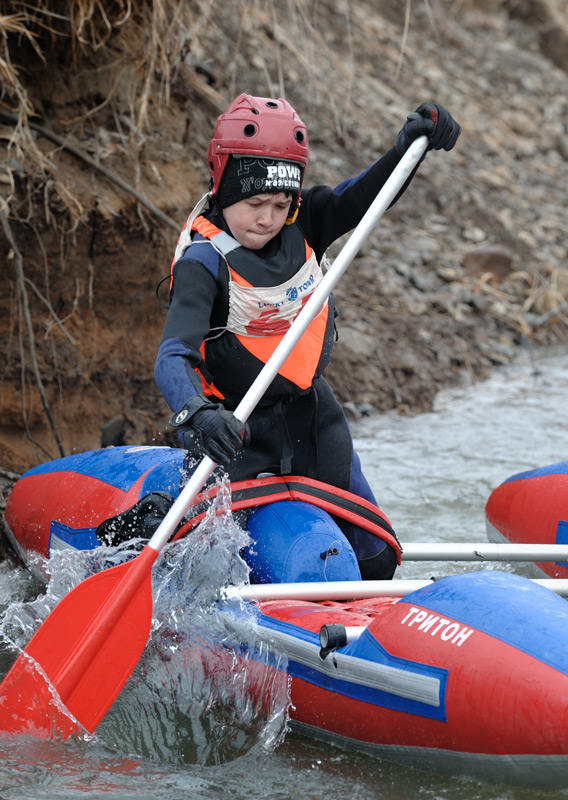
<point>194,295</point>
<point>326,213</point>
<point>191,303</point>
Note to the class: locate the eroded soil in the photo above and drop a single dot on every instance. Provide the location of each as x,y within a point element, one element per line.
<point>467,268</point>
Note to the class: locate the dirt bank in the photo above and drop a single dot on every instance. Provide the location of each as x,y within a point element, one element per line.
<point>470,265</point>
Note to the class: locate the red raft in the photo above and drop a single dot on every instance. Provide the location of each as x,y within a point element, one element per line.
<point>467,675</point>
<point>532,508</point>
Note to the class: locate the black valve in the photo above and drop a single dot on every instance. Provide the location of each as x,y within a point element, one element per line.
<point>332,637</point>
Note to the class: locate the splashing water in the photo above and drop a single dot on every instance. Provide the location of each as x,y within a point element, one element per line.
<point>197,695</point>
<point>52,579</point>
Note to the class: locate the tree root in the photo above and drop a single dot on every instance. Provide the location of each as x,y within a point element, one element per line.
<point>24,306</point>
<point>112,176</point>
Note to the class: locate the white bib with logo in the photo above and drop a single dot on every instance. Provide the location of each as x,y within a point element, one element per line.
<point>270,310</point>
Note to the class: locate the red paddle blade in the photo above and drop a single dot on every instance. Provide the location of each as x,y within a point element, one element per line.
<point>84,651</point>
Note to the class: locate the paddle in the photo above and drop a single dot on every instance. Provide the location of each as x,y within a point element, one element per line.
<point>90,643</point>
<point>353,590</point>
<point>484,551</point>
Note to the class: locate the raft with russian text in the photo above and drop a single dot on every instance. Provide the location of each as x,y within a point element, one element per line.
<point>468,675</point>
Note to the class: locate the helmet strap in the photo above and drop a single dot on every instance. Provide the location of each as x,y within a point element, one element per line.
<point>292,216</point>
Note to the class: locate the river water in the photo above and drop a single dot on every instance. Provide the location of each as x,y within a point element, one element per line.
<point>179,730</point>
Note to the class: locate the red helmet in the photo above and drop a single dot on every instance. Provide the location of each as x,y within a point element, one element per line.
<point>257,126</point>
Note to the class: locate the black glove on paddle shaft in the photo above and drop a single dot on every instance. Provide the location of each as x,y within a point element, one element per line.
<point>429,120</point>
<point>213,431</point>
<point>220,434</point>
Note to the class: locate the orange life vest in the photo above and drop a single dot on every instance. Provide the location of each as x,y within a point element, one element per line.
<point>263,334</point>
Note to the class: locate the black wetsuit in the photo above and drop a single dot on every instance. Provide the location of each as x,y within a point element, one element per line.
<point>293,431</point>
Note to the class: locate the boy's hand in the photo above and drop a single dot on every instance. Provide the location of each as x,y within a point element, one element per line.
<point>220,434</point>
<point>212,431</point>
<point>433,121</point>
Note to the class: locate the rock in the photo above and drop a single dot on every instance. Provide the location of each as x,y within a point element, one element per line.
<point>474,234</point>
<point>112,433</point>
<point>563,147</point>
<point>492,258</point>
<point>7,482</point>
<point>351,411</point>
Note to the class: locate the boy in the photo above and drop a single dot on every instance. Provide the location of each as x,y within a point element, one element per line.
<point>247,259</point>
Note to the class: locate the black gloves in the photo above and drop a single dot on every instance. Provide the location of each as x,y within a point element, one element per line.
<point>210,430</point>
<point>429,120</point>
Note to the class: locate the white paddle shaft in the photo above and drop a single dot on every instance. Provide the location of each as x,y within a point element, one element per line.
<point>418,551</point>
<point>351,590</point>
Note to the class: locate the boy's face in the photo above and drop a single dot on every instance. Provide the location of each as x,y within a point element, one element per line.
<point>256,220</point>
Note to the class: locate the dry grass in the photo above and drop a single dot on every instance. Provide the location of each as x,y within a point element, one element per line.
<point>91,27</point>
<point>147,39</point>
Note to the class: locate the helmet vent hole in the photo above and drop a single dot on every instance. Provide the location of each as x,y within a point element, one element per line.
<point>249,130</point>
<point>272,104</point>
<point>299,137</point>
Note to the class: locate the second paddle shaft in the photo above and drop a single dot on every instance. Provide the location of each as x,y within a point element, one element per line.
<point>353,590</point>
<point>418,551</point>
